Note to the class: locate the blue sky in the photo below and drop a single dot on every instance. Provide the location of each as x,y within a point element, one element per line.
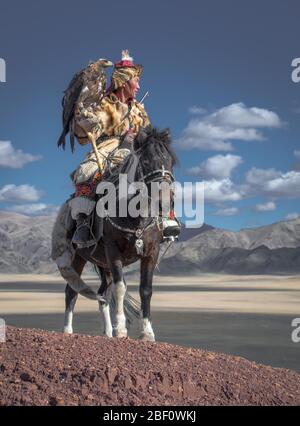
<point>218,73</point>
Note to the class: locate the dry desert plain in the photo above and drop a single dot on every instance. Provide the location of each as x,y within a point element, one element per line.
<point>249,316</point>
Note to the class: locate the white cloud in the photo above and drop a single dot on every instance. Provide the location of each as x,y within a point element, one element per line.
<point>24,192</point>
<point>197,110</point>
<point>265,207</point>
<point>269,183</point>
<point>286,185</point>
<point>217,167</point>
<point>217,130</point>
<point>34,209</point>
<point>238,115</point>
<point>292,216</point>
<point>297,154</point>
<point>212,191</point>
<point>272,183</point>
<point>221,190</point>
<point>229,211</point>
<point>14,158</point>
<point>207,136</point>
<point>257,176</point>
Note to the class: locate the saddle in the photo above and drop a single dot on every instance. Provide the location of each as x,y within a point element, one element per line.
<point>128,167</point>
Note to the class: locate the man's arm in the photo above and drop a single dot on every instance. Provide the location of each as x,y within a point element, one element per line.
<point>143,115</point>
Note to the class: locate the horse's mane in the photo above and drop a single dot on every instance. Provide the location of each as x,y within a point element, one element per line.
<point>153,145</point>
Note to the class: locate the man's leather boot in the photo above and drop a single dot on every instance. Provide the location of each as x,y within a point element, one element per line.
<point>83,237</point>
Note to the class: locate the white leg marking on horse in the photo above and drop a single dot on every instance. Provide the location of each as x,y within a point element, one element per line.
<point>105,313</point>
<point>120,320</point>
<point>146,330</point>
<point>68,328</point>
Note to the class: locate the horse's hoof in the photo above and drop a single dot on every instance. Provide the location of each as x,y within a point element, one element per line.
<point>120,333</point>
<point>68,330</point>
<point>147,337</point>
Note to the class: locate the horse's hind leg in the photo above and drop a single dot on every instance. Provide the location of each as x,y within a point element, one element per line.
<point>105,290</point>
<point>71,297</point>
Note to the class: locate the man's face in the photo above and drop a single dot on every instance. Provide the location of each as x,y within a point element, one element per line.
<point>132,87</point>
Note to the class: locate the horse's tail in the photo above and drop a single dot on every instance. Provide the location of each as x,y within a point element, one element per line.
<point>132,307</point>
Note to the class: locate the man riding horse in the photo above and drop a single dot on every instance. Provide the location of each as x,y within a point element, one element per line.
<point>113,121</point>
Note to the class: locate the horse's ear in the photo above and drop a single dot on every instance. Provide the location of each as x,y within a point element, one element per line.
<point>166,135</point>
<point>140,138</point>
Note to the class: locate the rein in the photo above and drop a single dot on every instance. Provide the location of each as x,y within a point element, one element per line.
<point>157,175</point>
<point>138,233</point>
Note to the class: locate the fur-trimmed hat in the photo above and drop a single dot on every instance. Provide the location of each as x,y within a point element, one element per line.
<point>124,71</point>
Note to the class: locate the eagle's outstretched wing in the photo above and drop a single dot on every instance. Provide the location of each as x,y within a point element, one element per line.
<point>91,80</point>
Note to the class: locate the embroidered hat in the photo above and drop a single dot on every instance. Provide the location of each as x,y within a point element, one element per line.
<point>124,71</point>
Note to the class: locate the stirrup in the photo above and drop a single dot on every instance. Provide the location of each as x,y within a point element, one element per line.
<point>84,244</point>
<point>170,238</point>
<point>168,223</point>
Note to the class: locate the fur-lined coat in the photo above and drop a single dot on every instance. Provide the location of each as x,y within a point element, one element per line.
<point>110,118</point>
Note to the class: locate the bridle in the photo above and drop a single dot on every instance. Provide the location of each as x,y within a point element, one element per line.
<point>161,173</point>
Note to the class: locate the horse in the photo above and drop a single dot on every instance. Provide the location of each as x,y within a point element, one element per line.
<point>124,240</point>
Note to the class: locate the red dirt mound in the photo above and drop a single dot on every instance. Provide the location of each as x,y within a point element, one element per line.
<point>44,368</point>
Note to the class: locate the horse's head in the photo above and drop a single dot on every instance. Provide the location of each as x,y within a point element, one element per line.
<point>156,159</point>
<point>156,156</point>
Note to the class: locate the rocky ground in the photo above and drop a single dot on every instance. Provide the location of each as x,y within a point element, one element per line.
<point>47,368</point>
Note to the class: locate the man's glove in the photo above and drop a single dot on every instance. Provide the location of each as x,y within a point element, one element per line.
<point>129,137</point>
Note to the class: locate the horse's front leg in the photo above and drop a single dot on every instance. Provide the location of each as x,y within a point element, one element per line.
<point>115,264</point>
<point>105,313</point>
<point>105,290</point>
<point>147,269</point>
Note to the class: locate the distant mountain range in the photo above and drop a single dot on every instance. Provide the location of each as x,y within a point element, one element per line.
<point>188,233</point>
<point>267,249</point>
<point>25,246</point>
<point>25,243</point>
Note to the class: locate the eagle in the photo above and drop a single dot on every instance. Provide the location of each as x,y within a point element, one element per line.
<point>91,80</point>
